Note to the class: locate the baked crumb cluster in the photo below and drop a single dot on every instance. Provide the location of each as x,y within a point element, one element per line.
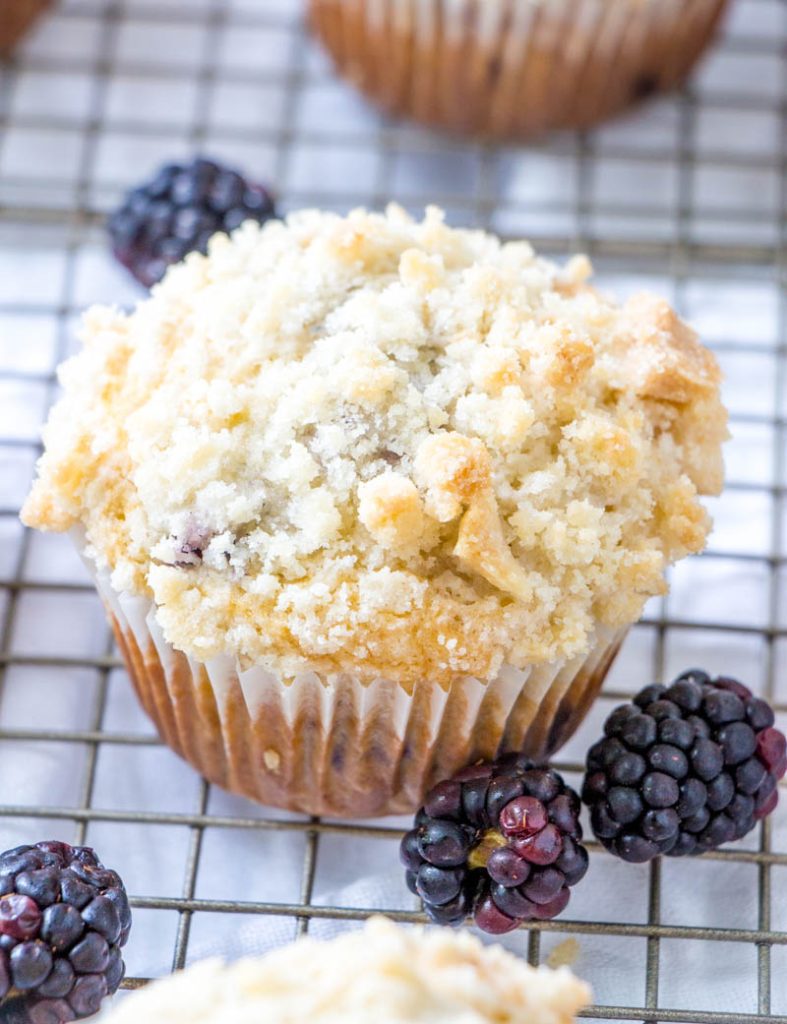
<point>384,446</point>
<point>380,973</point>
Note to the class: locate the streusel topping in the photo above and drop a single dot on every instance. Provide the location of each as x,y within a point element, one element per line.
<point>384,446</point>
<point>381,974</point>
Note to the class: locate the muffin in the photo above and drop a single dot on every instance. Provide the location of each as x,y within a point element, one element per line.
<point>16,17</point>
<point>382,974</point>
<point>510,69</point>
<point>369,498</point>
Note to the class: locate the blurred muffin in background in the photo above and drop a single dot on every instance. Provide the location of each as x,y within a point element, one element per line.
<point>16,17</point>
<point>511,69</point>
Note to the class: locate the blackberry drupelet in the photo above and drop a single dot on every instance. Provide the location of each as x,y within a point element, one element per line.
<point>500,842</point>
<point>684,769</point>
<point>64,918</point>
<point>178,211</point>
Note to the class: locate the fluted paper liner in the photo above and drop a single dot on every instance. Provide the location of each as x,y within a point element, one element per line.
<point>514,68</point>
<point>334,745</point>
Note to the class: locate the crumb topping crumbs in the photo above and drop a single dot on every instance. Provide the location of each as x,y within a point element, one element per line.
<point>381,973</point>
<point>384,446</point>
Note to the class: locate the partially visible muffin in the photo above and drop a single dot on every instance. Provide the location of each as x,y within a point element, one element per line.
<point>368,498</point>
<point>382,974</point>
<point>16,17</point>
<point>511,69</point>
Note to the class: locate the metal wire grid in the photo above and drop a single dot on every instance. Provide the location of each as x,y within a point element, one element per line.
<point>66,214</point>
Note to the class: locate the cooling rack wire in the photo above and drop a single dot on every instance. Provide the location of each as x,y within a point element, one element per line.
<point>688,197</point>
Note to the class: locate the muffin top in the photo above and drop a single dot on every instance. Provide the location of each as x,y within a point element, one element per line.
<point>382,973</point>
<point>375,445</point>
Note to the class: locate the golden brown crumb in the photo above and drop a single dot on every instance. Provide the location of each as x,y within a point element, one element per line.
<point>391,509</point>
<point>565,954</point>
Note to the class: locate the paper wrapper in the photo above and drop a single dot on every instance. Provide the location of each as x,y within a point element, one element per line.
<point>16,16</point>
<point>510,69</point>
<point>334,745</point>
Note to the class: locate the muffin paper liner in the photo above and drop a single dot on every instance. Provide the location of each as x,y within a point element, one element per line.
<point>334,745</point>
<point>514,68</point>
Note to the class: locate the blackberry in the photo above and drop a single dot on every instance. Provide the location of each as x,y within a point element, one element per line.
<point>178,211</point>
<point>684,769</point>
<point>500,842</point>
<point>64,918</point>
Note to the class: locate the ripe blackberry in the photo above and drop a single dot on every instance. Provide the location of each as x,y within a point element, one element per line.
<point>684,769</point>
<point>63,920</point>
<point>178,211</point>
<point>500,842</point>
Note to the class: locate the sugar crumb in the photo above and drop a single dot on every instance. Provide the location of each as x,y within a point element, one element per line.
<point>351,441</point>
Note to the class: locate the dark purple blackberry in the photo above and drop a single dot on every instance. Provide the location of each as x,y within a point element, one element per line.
<point>63,920</point>
<point>684,769</point>
<point>500,842</point>
<point>178,211</point>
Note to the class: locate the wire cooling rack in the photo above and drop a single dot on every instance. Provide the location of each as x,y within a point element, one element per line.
<point>688,196</point>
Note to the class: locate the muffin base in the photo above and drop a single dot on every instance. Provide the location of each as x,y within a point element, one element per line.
<point>336,746</point>
<point>512,69</point>
<point>16,16</point>
<point>341,753</point>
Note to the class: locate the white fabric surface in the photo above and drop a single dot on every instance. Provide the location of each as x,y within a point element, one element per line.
<point>737,312</point>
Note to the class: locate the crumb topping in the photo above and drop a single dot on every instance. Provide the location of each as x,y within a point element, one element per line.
<point>381,974</point>
<point>384,446</point>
